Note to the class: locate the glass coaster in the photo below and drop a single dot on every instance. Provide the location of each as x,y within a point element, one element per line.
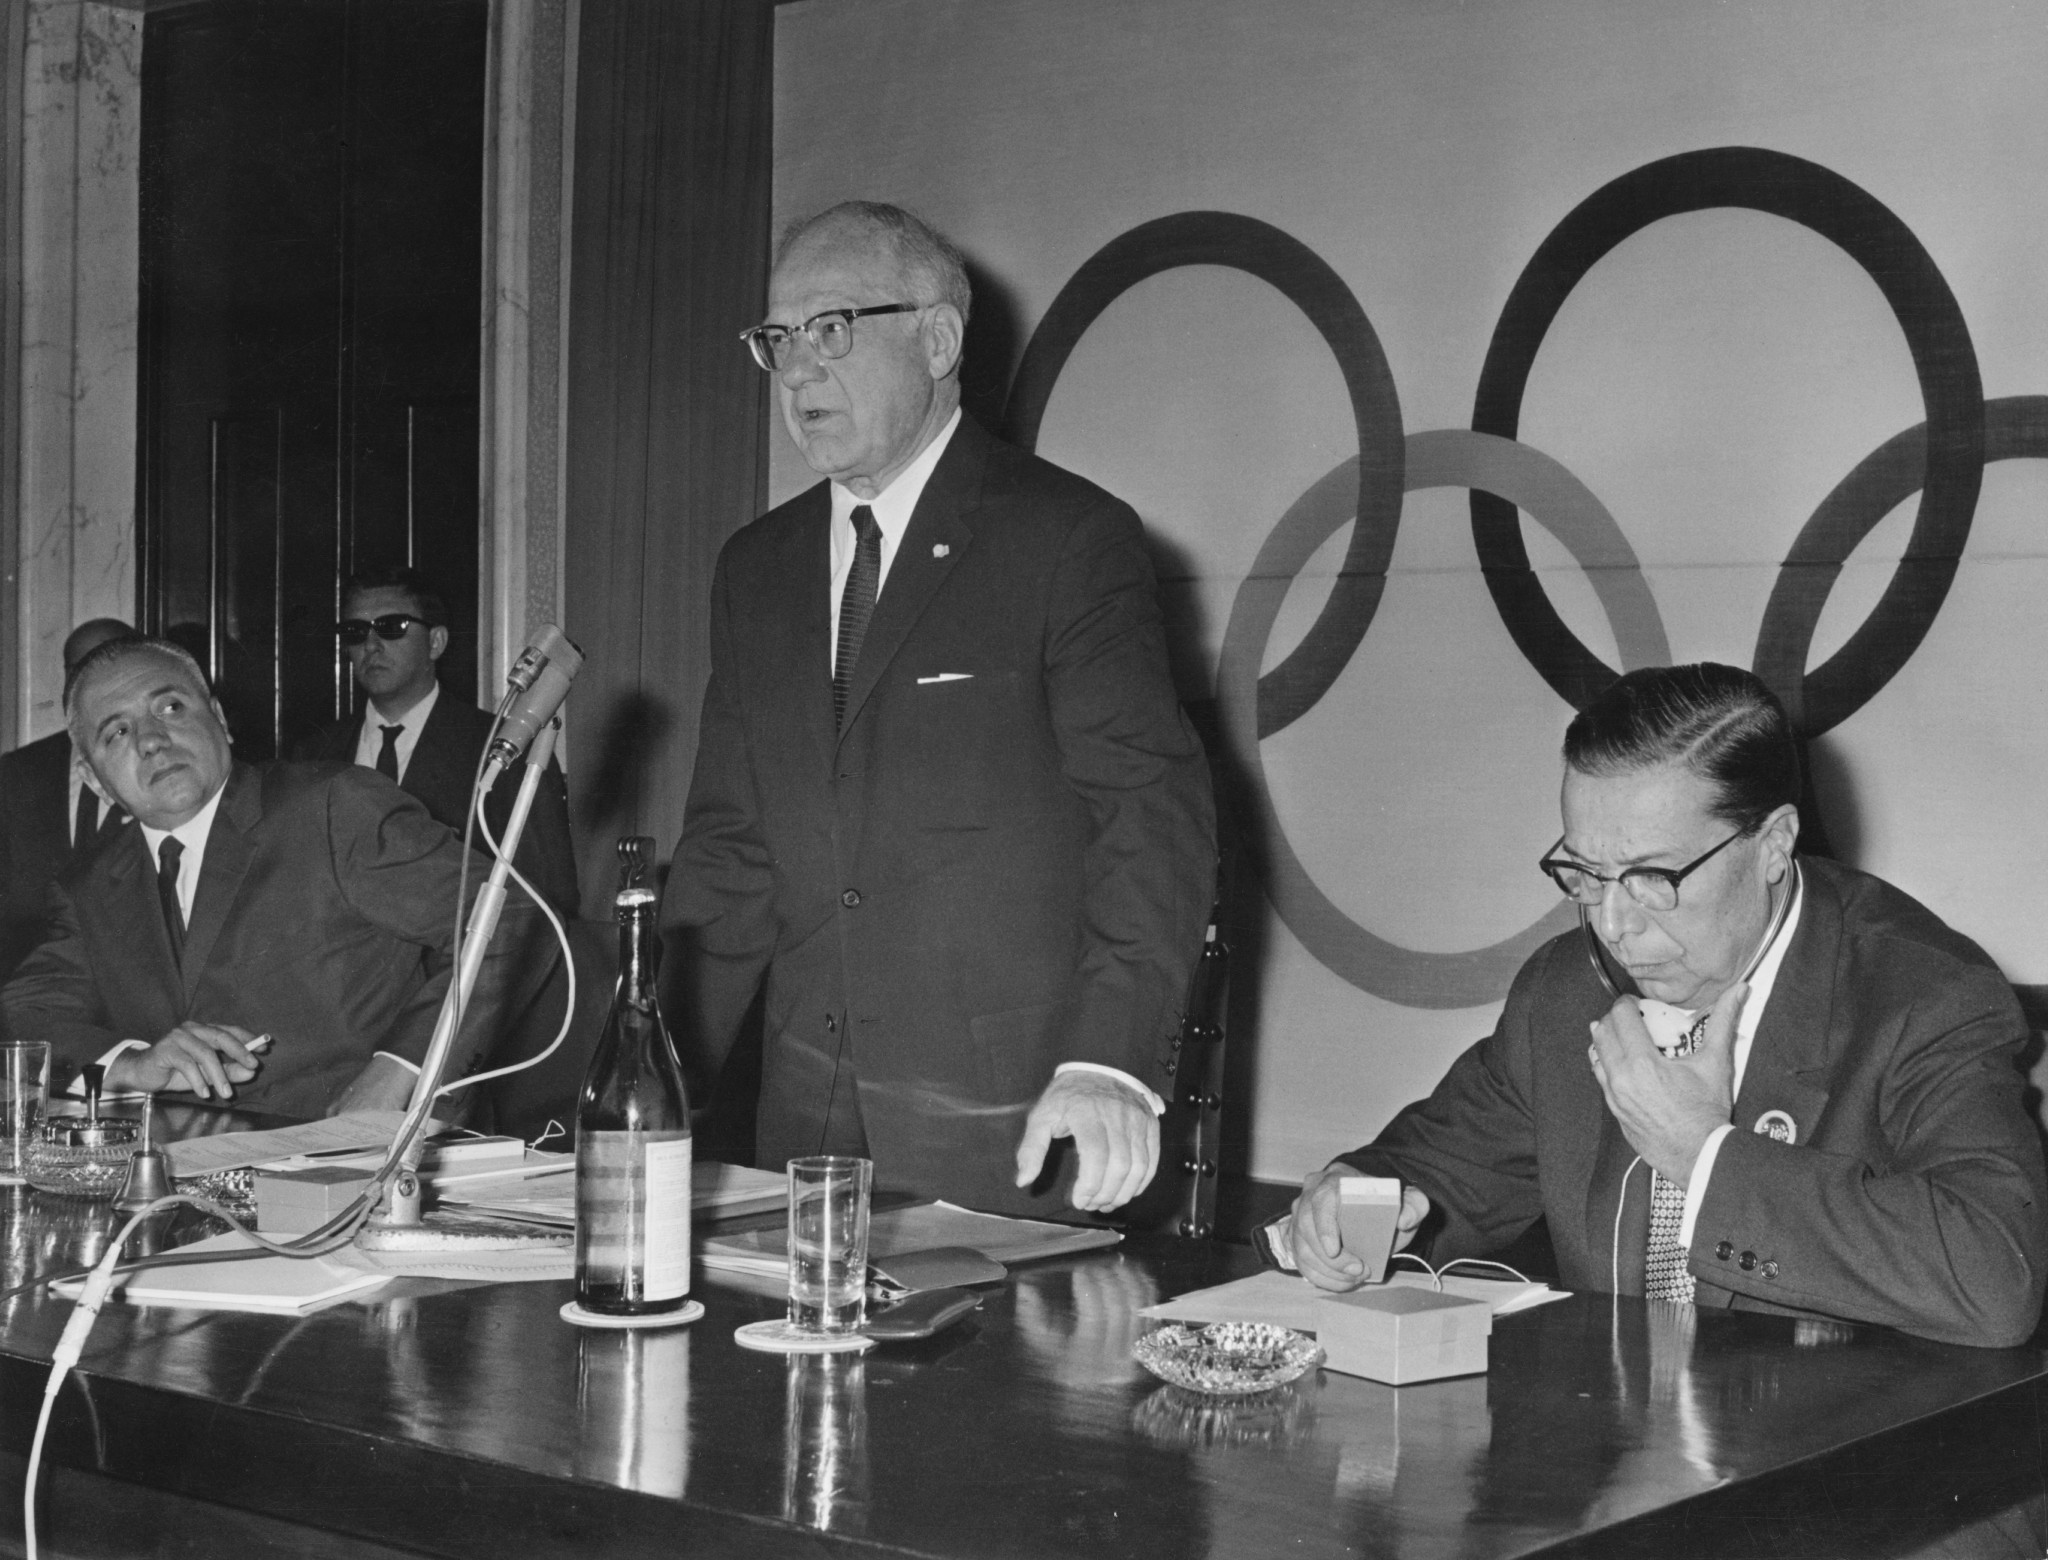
<point>780,1337</point>
<point>574,1313</point>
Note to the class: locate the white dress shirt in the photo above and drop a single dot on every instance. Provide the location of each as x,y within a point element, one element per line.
<point>371,740</point>
<point>892,508</point>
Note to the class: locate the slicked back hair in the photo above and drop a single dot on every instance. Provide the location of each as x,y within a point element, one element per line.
<point>933,267</point>
<point>396,576</point>
<point>1718,721</point>
<point>120,650</point>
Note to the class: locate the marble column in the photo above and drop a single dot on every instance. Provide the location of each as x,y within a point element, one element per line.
<point>81,145</point>
<point>529,148</point>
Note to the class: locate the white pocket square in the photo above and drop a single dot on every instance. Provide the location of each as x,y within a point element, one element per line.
<point>939,677</point>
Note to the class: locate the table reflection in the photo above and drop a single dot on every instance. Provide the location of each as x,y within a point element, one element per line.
<point>825,1478</point>
<point>633,1408</point>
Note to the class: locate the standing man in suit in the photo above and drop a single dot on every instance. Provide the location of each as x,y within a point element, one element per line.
<point>314,903</point>
<point>945,796</point>
<point>393,630</point>
<point>48,814</point>
<point>1801,1091</point>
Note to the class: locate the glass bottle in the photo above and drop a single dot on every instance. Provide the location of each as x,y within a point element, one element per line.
<point>633,1131</point>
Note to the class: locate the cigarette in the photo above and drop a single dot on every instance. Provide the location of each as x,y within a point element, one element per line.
<point>260,1043</point>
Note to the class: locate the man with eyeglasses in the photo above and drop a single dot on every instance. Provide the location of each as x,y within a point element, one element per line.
<point>394,631</point>
<point>945,798</point>
<point>1750,1079</point>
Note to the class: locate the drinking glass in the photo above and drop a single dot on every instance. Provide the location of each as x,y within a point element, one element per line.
<point>24,1088</point>
<point>828,1243</point>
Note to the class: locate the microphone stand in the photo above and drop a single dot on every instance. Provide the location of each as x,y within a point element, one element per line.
<point>398,1224</point>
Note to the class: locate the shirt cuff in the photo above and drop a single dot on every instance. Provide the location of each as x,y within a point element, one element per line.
<point>411,1067</point>
<point>1152,1100</point>
<point>1696,1188</point>
<point>76,1088</point>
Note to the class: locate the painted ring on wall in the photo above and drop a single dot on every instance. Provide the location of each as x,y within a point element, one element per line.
<point>1943,358</point>
<point>1305,279</point>
<point>2015,428</point>
<point>1565,507</point>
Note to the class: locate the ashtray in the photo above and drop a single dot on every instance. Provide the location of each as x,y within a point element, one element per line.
<point>1228,1359</point>
<point>80,1155</point>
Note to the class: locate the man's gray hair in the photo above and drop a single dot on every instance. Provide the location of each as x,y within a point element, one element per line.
<point>932,264</point>
<point>120,650</point>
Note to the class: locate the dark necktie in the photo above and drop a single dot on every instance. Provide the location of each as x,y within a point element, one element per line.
<point>863,581</point>
<point>167,855</point>
<point>87,823</point>
<point>387,755</point>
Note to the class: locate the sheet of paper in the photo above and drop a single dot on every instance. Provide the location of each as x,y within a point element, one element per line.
<point>239,1150</point>
<point>1288,1300</point>
<point>920,1227</point>
<point>716,1191</point>
<point>257,1284</point>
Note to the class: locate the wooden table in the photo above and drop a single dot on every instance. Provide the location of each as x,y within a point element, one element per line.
<point>471,1421</point>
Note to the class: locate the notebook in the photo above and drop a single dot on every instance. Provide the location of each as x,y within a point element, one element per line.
<point>291,1285</point>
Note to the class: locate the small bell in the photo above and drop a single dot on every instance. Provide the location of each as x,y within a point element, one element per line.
<point>149,1176</point>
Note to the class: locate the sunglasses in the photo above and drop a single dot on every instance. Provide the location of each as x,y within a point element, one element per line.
<point>391,625</point>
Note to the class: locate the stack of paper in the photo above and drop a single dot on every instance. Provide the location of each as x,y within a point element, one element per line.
<point>716,1192</point>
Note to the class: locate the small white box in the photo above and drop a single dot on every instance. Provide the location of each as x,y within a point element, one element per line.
<point>1400,1334</point>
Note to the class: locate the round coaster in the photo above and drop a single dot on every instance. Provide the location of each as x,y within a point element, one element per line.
<point>574,1313</point>
<point>779,1337</point>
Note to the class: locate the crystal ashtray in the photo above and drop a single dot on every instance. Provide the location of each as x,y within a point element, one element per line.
<point>1228,1359</point>
<point>79,1156</point>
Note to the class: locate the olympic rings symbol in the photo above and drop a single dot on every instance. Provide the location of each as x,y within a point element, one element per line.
<point>1942,459</point>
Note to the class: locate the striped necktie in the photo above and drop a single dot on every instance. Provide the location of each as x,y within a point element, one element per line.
<point>856,606</point>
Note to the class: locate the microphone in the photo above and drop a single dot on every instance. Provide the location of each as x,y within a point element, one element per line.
<point>534,690</point>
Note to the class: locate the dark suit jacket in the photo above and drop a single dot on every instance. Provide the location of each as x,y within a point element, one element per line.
<point>442,770</point>
<point>323,915</point>
<point>1912,1195</point>
<point>35,839</point>
<point>987,875</point>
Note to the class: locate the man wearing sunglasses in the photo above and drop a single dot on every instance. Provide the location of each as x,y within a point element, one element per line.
<point>945,796</point>
<point>1750,1079</point>
<point>393,630</point>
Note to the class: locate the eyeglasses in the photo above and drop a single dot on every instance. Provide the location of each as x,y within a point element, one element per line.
<point>1654,888</point>
<point>830,334</point>
<point>389,625</point>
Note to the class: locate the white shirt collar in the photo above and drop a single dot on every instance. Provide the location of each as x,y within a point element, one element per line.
<point>192,834</point>
<point>892,507</point>
<point>370,739</point>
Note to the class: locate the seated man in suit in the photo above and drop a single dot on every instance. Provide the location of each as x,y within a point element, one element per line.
<point>47,815</point>
<point>1801,1091</point>
<point>308,902</point>
<point>393,630</point>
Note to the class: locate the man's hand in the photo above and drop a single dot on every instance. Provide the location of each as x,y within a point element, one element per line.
<point>206,1059</point>
<point>1312,1230</point>
<point>1114,1131</point>
<point>385,1084</point>
<point>1667,1106</point>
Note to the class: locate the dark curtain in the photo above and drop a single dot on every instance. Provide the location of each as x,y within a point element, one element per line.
<point>666,454</point>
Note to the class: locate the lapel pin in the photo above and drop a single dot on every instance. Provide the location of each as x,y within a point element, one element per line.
<point>1777,1126</point>
<point>941,550</point>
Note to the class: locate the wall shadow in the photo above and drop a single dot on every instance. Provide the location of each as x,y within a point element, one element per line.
<point>995,340</point>
<point>1831,821</point>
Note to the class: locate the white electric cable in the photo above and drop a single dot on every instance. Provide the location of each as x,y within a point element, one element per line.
<point>568,958</point>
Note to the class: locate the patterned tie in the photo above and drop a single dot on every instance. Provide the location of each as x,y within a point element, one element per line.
<point>1664,1271</point>
<point>387,755</point>
<point>167,855</point>
<point>88,821</point>
<point>856,606</point>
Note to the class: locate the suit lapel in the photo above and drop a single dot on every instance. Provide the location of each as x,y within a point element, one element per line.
<point>939,534</point>
<point>229,850</point>
<point>137,919</point>
<point>429,774</point>
<point>806,558</point>
<point>1786,1078</point>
